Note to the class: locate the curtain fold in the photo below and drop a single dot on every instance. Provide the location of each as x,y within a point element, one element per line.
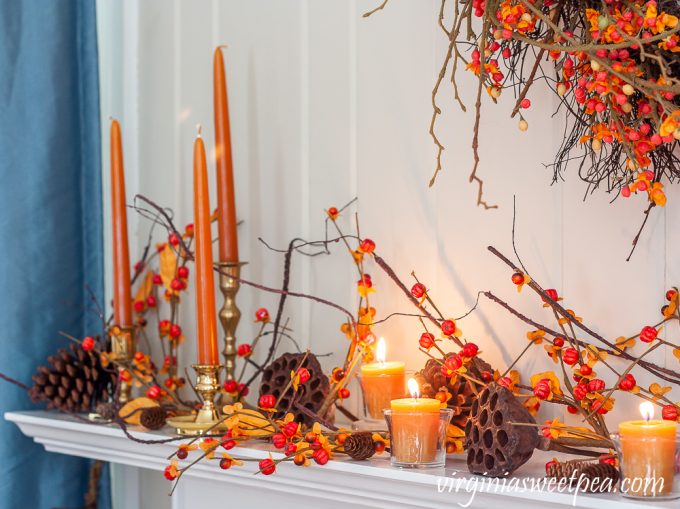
<point>50,222</point>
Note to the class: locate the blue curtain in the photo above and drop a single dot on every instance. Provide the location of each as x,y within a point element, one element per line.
<point>50,221</point>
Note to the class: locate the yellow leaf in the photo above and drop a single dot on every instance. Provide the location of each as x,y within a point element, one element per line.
<point>253,423</point>
<point>676,352</point>
<point>623,343</point>
<point>658,390</point>
<point>670,309</point>
<point>536,336</point>
<point>168,265</point>
<point>145,287</point>
<point>131,411</point>
<point>532,404</point>
<point>453,431</point>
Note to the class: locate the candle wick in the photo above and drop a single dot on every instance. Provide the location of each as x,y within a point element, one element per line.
<point>199,129</point>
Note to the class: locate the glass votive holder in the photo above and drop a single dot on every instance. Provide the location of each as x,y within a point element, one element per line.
<point>378,390</point>
<point>650,466</point>
<point>418,439</point>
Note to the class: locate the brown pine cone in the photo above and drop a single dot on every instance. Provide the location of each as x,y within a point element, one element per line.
<point>602,472</point>
<point>152,418</point>
<point>74,381</point>
<point>359,446</point>
<point>589,469</point>
<point>564,469</point>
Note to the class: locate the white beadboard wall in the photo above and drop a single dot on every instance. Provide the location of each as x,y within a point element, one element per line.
<point>327,105</point>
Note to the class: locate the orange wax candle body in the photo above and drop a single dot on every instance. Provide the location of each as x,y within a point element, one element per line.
<point>648,450</point>
<point>415,429</point>
<point>122,301</point>
<point>206,326</point>
<point>226,205</point>
<point>382,382</point>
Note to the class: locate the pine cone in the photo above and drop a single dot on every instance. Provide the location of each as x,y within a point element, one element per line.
<point>601,472</point>
<point>564,469</point>
<point>153,418</point>
<point>74,382</point>
<point>359,446</point>
<point>430,380</point>
<point>311,394</point>
<point>588,469</point>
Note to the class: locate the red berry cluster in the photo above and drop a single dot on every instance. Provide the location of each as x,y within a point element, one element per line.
<point>170,330</point>
<point>542,389</point>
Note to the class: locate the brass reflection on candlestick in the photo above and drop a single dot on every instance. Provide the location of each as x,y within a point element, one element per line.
<point>230,313</point>
<point>207,419</point>
<point>122,352</point>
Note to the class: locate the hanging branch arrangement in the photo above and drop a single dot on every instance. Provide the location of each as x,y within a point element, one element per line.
<point>614,66</point>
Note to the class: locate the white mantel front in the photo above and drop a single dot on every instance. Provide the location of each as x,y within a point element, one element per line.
<point>339,484</point>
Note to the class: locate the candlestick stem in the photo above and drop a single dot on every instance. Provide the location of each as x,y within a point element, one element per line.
<point>122,352</point>
<point>230,313</point>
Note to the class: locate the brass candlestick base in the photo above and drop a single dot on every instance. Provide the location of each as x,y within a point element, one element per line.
<point>206,419</point>
<point>230,313</point>
<point>122,352</point>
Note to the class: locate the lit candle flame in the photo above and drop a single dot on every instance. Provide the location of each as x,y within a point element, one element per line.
<point>413,388</point>
<point>647,410</point>
<point>380,351</point>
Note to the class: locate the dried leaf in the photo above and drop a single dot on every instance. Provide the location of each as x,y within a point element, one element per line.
<point>145,288</point>
<point>131,411</point>
<point>658,390</point>
<point>168,266</point>
<point>536,336</point>
<point>623,342</point>
<point>670,309</point>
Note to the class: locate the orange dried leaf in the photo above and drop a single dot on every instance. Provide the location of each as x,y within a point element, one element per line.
<point>623,342</point>
<point>168,266</point>
<point>145,288</point>
<point>131,411</point>
<point>658,390</point>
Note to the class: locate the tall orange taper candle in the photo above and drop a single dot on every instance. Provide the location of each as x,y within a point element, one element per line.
<point>226,204</point>
<point>206,326</point>
<point>122,302</point>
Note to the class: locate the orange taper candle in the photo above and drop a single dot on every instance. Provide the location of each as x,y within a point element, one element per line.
<point>226,204</point>
<point>122,302</point>
<point>206,320</point>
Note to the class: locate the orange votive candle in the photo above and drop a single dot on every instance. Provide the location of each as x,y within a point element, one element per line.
<point>415,427</point>
<point>648,453</point>
<point>382,382</point>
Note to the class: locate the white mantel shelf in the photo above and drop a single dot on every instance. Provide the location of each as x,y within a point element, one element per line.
<point>341,483</point>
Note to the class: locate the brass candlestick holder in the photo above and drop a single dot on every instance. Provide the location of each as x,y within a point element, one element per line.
<point>230,313</point>
<point>207,419</point>
<point>122,352</point>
